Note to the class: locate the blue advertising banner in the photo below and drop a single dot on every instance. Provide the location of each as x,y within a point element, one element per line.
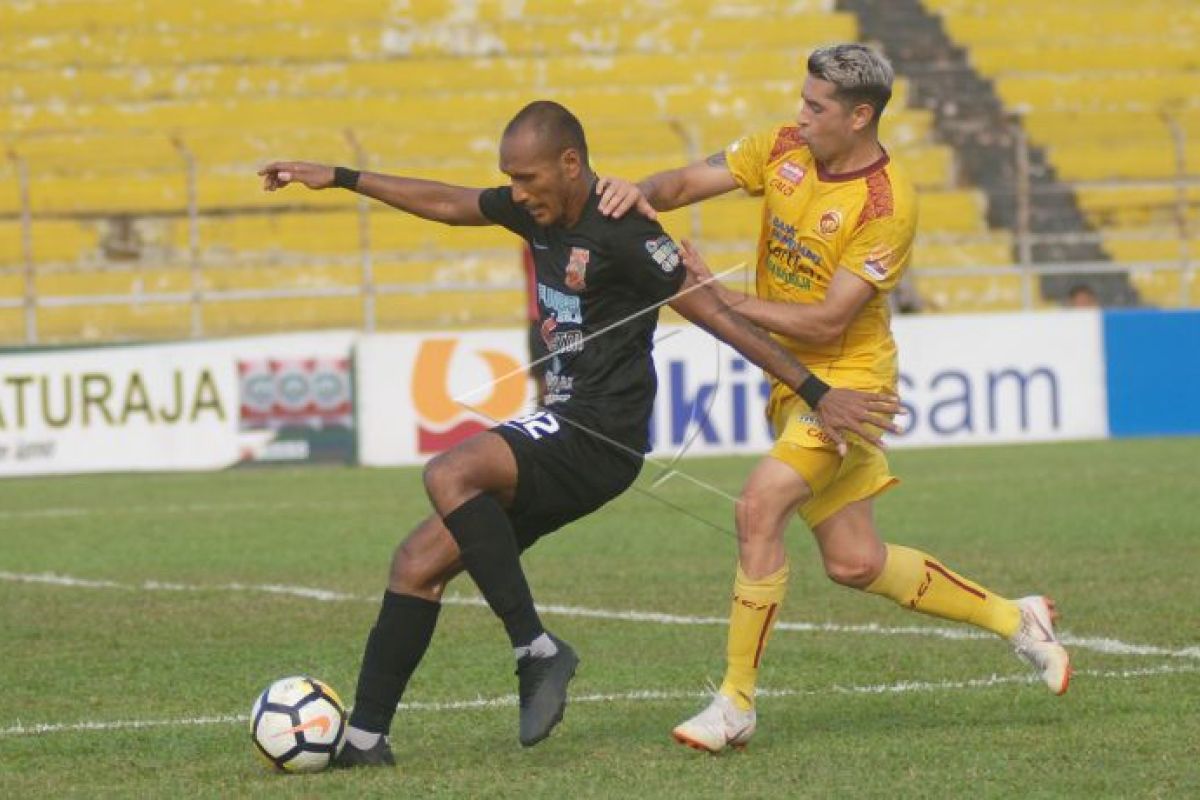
<point>1153,366</point>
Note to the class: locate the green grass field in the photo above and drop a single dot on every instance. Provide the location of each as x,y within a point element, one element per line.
<point>133,672</point>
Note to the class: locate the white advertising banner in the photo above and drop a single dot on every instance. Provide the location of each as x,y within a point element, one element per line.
<point>117,409</point>
<point>964,380</point>
<point>153,407</point>
<point>1002,378</point>
<point>207,405</point>
<point>420,394</point>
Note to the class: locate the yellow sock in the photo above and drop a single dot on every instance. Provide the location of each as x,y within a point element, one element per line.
<point>751,619</point>
<point>920,582</point>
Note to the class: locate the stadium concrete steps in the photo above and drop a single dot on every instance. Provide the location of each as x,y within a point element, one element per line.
<point>971,116</point>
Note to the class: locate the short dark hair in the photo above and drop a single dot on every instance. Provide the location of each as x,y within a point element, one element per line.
<point>860,74</point>
<point>554,125</point>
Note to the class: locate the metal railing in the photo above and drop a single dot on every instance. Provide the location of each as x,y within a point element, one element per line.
<point>369,288</point>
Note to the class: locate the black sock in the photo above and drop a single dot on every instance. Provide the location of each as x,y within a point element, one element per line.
<point>489,552</point>
<point>394,649</point>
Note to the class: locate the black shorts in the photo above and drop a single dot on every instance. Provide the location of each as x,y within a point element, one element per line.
<point>563,473</point>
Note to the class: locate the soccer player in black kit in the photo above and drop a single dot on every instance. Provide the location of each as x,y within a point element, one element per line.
<point>598,283</point>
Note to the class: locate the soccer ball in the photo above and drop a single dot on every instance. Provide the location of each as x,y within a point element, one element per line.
<point>297,724</point>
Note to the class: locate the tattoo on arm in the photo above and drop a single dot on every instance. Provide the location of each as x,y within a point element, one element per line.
<point>716,159</point>
<point>770,355</point>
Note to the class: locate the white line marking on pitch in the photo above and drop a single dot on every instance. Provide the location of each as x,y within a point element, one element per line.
<point>1105,645</point>
<point>637,696</point>
<point>170,508</point>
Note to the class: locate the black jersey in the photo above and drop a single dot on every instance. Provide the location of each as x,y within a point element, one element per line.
<point>595,282</point>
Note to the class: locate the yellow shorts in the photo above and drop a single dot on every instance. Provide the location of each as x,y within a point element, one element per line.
<point>835,482</point>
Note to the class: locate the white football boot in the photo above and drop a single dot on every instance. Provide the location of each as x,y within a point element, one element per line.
<point>720,725</point>
<point>1036,644</point>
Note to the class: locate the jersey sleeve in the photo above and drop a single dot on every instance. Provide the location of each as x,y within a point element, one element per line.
<point>648,258</point>
<point>498,205</point>
<point>747,160</point>
<point>880,251</point>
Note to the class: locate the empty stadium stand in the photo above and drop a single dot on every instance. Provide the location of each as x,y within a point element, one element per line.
<point>140,124</point>
<point>1099,87</point>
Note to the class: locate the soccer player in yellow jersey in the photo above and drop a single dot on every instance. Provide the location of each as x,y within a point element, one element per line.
<point>838,220</point>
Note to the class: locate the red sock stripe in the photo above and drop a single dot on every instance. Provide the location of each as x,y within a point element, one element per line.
<point>933,565</point>
<point>762,637</point>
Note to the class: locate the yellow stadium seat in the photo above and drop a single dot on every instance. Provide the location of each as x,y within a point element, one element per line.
<point>12,285</point>
<point>1085,162</point>
<point>1079,56</point>
<point>1064,22</point>
<point>127,280</point>
<point>954,211</point>
<point>12,325</point>
<point>11,246</point>
<point>933,254</point>
<point>1165,288</point>
<point>114,322</point>
<point>971,293</point>
<point>1082,91</point>
<point>433,309</point>
<point>1138,206</point>
<point>501,268</point>
<point>1107,127</point>
<point>242,317</point>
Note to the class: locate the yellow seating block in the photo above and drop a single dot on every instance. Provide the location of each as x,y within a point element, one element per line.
<point>113,323</point>
<point>995,253</point>
<point>1087,162</point>
<point>241,317</point>
<point>12,285</point>
<point>1082,56</point>
<point>1106,127</point>
<point>1162,286</point>
<point>964,294</point>
<point>113,281</point>
<point>451,269</point>
<point>76,15</point>
<point>12,326</point>
<point>1169,288</point>
<point>1083,91</point>
<point>1138,206</point>
<point>1064,22</point>
<point>431,310</point>
<point>954,211</point>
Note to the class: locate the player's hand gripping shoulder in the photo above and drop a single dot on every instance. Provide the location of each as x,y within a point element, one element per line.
<point>279,174</point>
<point>618,195</point>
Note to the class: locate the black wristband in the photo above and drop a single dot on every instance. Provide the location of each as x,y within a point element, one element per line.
<point>812,390</point>
<point>345,178</point>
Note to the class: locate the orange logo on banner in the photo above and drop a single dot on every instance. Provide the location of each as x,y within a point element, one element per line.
<point>442,422</point>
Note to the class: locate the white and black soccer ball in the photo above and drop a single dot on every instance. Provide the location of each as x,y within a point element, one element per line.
<point>298,724</point>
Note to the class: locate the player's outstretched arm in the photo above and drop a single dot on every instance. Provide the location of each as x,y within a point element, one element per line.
<point>664,191</point>
<point>440,202</point>
<point>841,410</point>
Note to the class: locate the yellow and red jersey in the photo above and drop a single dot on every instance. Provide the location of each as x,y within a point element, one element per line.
<point>814,223</point>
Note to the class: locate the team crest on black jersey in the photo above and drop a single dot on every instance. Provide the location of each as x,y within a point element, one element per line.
<point>577,269</point>
<point>664,252</point>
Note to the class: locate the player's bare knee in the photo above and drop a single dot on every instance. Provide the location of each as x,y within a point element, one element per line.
<point>757,517</point>
<point>446,482</point>
<point>414,573</point>
<point>855,571</point>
